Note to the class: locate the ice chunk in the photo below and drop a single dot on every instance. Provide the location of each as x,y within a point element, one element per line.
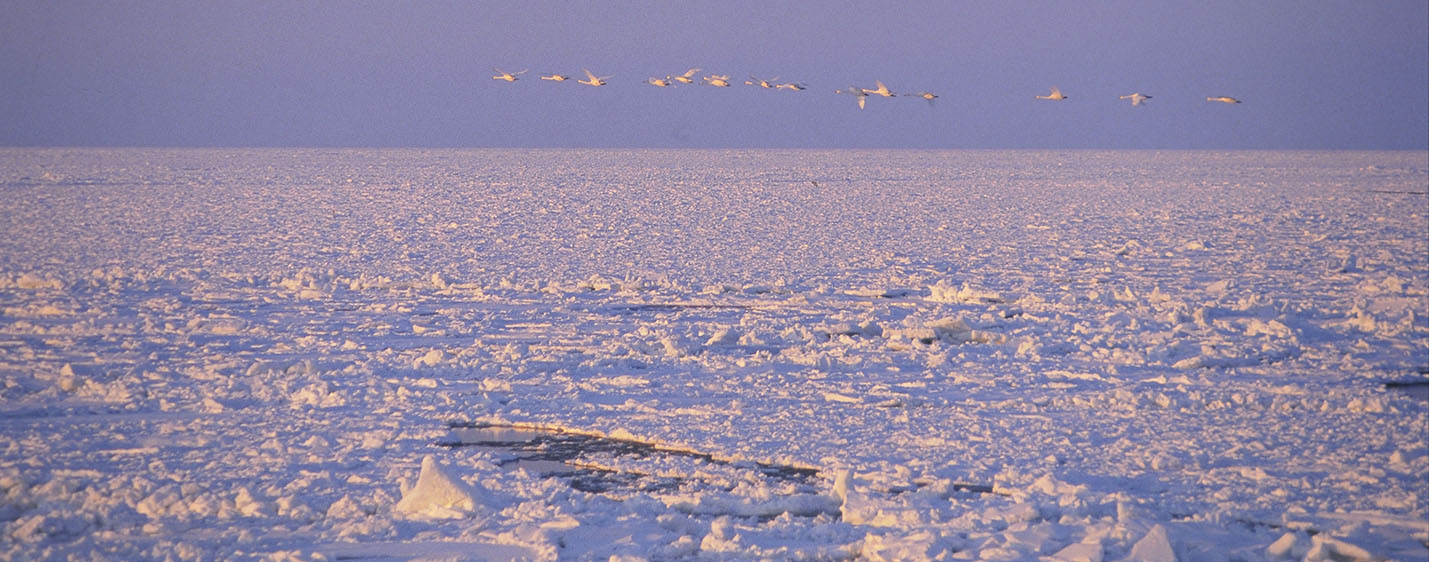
<point>895,546</point>
<point>858,507</point>
<point>836,397</point>
<point>438,494</point>
<point>345,508</point>
<point>432,358</point>
<point>964,294</point>
<point>725,336</point>
<point>1331,549</point>
<point>1131,247</point>
<point>248,506</point>
<point>1080,552</point>
<point>853,505</point>
<point>1288,546</point>
<point>67,380</point>
<point>1155,546</point>
<point>211,406</point>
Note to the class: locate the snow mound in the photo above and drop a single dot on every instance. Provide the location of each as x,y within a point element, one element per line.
<point>438,494</point>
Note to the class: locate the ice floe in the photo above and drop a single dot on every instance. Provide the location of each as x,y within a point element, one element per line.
<point>725,355</point>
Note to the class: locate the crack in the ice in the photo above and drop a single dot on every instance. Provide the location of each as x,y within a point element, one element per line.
<point>567,448</point>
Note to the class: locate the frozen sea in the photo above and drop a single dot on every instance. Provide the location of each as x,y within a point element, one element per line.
<point>398,354</point>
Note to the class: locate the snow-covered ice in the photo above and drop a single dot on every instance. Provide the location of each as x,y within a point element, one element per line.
<point>751,354</point>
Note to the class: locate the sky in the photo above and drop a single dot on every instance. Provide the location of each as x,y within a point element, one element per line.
<point>1311,74</point>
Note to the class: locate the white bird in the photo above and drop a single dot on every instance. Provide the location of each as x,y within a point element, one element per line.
<point>556,77</point>
<point>1137,98</point>
<point>507,76</point>
<point>856,92</point>
<point>1224,99</point>
<point>718,80</point>
<point>687,78</point>
<point>881,90</point>
<point>794,86</point>
<point>930,96</point>
<point>661,82</point>
<point>1056,95</point>
<point>762,83</point>
<point>592,79</point>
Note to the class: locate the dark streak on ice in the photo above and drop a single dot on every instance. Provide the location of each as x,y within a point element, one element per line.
<point>556,446</point>
<point>1418,389</point>
<point>673,307</point>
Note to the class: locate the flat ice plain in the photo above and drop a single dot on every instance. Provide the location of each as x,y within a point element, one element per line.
<point>766,354</point>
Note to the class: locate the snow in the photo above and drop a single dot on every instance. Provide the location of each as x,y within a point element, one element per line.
<point>436,494</point>
<point>724,355</point>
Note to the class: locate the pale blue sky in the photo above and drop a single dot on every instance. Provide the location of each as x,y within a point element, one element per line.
<point>1312,74</point>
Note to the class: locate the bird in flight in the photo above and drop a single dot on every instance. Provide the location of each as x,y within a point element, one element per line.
<point>507,76</point>
<point>1056,95</point>
<point>762,83</point>
<point>687,78</point>
<point>1224,99</point>
<point>718,80</point>
<point>592,79</point>
<point>856,92</point>
<point>794,86</point>
<point>1136,98</point>
<point>556,77</point>
<point>930,96</point>
<point>661,82</point>
<point>881,90</point>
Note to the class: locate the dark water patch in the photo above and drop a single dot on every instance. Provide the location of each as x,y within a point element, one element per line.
<point>975,488</point>
<point>671,307</point>
<point>572,456</point>
<point>621,469</point>
<point>955,487</point>
<point>1416,388</point>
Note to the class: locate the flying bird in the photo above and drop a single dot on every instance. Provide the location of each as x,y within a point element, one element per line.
<point>661,82</point>
<point>1224,99</point>
<point>930,96</point>
<point>687,78</point>
<point>592,79</point>
<point>556,77</point>
<point>507,76</point>
<point>794,86</point>
<point>762,83</point>
<point>1056,95</point>
<point>718,80</point>
<point>880,90</point>
<point>856,92</point>
<point>1136,98</point>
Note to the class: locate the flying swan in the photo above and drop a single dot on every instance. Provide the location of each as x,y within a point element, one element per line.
<point>687,78</point>
<point>1136,98</point>
<point>1056,95</point>
<point>856,92</point>
<point>881,90</point>
<point>507,76</point>
<point>592,79</point>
